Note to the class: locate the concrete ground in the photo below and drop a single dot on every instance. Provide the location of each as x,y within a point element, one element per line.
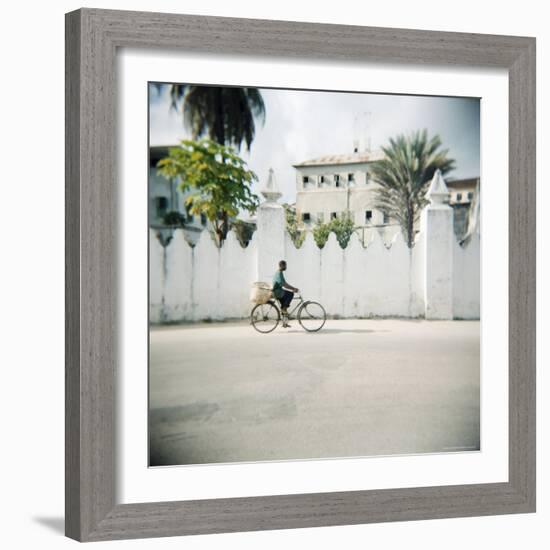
<point>222,392</point>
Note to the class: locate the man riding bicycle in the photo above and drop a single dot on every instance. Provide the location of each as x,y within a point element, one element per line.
<point>283,291</point>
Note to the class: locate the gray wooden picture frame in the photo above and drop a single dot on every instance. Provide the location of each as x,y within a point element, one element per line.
<point>92,39</point>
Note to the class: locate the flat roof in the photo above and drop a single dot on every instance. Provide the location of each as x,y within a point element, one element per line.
<point>350,158</point>
<point>465,183</point>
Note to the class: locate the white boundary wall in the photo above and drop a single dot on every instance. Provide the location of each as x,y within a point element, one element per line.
<point>205,282</point>
<point>466,279</point>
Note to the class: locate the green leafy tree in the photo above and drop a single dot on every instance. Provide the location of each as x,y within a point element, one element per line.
<point>296,234</point>
<point>321,232</point>
<point>216,178</point>
<point>343,227</point>
<point>404,175</point>
<point>224,114</point>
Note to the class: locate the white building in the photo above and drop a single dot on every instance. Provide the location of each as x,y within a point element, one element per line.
<point>165,196</point>
<point>330,186</point>
<point>464,199</point>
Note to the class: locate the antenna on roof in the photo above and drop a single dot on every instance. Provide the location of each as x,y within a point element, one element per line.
<point>367,117</point>
<point>361,132</point>
<point>355,134</point>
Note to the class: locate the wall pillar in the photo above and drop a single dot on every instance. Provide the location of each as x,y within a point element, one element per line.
<point>270,232</point>
<point>437,227</point>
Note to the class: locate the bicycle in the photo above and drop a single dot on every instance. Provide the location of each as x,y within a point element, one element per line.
<point>266,317</point>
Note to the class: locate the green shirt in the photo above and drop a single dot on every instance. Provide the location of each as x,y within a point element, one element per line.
<point>278,282</point>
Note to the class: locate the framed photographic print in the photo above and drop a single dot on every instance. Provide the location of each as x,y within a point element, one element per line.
<point>300,275</point>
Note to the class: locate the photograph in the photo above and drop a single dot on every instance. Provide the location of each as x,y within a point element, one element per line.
<point>276,285</point>
<point>314,274</point>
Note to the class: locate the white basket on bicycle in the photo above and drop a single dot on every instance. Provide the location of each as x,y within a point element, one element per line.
<point>260,293</point>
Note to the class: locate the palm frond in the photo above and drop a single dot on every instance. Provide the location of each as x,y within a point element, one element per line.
<point>224,114</point>
<point>403,176</point>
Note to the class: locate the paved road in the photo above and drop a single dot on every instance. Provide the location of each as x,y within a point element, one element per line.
<point>224,393</point>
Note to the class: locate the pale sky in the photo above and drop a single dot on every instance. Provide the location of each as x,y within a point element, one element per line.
<point>301,125</point>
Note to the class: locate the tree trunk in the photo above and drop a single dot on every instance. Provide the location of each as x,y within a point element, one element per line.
<point>219,126</point>
<point>225,224</point>
<point>218,233</point>
<point>410,228</point>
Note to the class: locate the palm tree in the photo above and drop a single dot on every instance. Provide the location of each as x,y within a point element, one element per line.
<point>226,115</point>
<point>404,174</point>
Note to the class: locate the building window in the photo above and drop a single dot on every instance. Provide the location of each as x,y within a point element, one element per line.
<point>305,180</point>
<point>321,179</point>
<point>470,195</point>
<point>333,215</point>
<point>337,180</point>
<point>161,206</point>
<point>306,217</point>
<point>386,219</point>
<point>203,219</point>
<point>368,215</point>
<point>351,178</point>
<point>459,197</point>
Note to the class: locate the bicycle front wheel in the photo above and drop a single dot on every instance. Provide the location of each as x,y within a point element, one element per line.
<point>312,316</point>
<point>265,317</point>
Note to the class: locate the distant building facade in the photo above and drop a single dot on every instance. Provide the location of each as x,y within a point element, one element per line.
<point>335,185</point>
<point>464,194</point>
<point>165,196</point>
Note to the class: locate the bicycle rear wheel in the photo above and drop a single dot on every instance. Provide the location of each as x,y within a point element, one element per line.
<point>265,317</point>
<point>312,316</point>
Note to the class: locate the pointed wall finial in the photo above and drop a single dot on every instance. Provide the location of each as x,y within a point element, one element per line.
<point>271,191</point>
<point>438,193</point>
